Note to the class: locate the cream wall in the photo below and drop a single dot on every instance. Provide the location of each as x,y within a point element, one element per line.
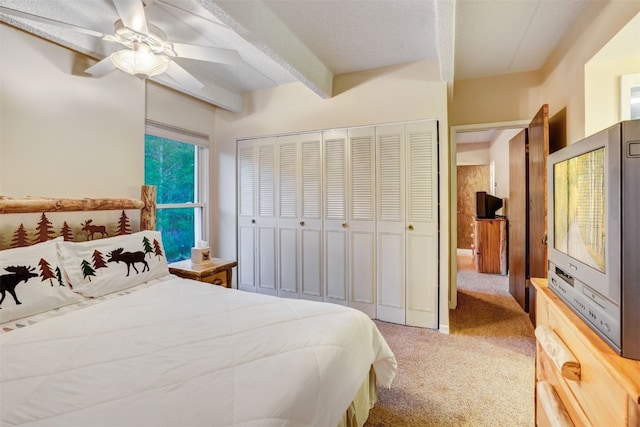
<point>64,133</point>
<point>392,94</point>
<point>602,91</point>
<point>499,155</point>
<point>504,98</point>
<point>473,154</point>
<point>67,134</point>
<point>564,72</point>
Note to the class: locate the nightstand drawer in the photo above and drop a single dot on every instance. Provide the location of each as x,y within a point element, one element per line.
<point>217,272</point>
<point>219,279</point>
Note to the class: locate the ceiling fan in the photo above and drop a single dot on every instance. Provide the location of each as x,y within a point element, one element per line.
<point>147,52</point>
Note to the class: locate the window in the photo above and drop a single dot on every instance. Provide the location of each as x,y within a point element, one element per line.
<point>176,163</point>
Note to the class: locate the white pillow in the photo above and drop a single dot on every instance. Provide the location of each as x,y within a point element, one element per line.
<point>31,281</point>
<point>99,267</point>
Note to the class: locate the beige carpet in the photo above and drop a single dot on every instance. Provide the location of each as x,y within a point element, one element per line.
<point>482,374</point>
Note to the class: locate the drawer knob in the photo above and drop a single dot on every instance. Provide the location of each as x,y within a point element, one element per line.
<point>558,352</point>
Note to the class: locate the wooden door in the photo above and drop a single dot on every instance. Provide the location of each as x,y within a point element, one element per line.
<point>518,218</point>
<point>538,153</point>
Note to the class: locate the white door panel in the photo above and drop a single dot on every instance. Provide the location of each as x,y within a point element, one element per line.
<point>422,226</point>
<point>361,224</point>
<point>335,217</point>
<point>391,289</point>
<point>390,171</point>
<point>311,255</point>
<point>288,262</point>
<point>246,252</point>
<point>362,271</point>
<point>311,274</point>
<point>336,267</point>
<point>267,260</point>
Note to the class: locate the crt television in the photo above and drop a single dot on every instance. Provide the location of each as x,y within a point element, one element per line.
<point>594,233</point>
<point>487,205</point>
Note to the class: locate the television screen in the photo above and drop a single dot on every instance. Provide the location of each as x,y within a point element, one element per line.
<point>487,205</point>
<point>579,208</point>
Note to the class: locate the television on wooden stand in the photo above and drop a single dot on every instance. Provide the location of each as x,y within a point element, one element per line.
<point>487,205</point>
<point>594,233</point>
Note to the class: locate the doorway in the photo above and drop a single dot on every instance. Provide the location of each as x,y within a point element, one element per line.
<point>486,147</point>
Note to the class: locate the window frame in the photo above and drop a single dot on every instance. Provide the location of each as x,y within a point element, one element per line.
<point>201,143</point>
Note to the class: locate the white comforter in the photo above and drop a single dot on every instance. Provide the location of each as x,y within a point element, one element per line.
<point>184,353</point>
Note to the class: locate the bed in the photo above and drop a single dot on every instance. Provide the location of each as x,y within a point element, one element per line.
<point>129,344</point>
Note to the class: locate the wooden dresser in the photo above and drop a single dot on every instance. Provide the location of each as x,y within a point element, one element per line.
<point>581,381</point>
<point>490,245</point>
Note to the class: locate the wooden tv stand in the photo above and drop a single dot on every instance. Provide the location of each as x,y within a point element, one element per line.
<point>490,245</point>
<point>580,380</point>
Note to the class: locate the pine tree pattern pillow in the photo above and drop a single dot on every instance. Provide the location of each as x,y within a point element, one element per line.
<point>31,281</point>
<point>99,267</point>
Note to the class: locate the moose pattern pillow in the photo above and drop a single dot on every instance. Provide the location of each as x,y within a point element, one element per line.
<point>99,267</point>
<point>32,282</point>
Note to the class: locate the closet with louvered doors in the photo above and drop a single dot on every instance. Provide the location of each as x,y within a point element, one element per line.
<point>299,216</point>
<point>347,216</point>
<point>407,223</point>
<point>257,215</point>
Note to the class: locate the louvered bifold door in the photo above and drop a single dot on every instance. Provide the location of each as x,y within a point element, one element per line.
<point>361,225</point>
<point>266,216</point>
<point>246,215</point>
<point>335,217</point>
<point>310,244</point>
<point>390,220</point>
<point>288,195</point>
<point>422,224</point>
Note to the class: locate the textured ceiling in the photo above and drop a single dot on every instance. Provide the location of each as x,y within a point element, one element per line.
<point>496,37</point>
<point>311,41</point>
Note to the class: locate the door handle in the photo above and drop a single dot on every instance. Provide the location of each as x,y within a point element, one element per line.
<point>345,225</point>
<point>302,223</point>
<point>410,227</point>
<point>253,221</point>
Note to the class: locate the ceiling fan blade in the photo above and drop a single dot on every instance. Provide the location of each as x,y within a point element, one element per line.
<point>29,16</point>
<point>183,78</point>
<point>102,67</point>
<point>132,14</point>
<point>204,53</point>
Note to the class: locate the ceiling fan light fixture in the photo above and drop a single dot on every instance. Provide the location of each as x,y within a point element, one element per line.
<point>140,61</point>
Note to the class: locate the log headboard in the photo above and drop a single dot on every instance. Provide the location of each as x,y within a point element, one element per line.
<point>14,228</point>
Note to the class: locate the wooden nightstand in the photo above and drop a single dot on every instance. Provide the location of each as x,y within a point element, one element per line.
<point>217,272</point>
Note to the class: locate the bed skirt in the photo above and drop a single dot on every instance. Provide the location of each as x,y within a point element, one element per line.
<point>358,411</point>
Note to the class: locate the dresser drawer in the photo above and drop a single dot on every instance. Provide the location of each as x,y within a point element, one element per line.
<point>595,385</point>
<point>546,371</point>
<point>595,394</point>
<point>550,410</point>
